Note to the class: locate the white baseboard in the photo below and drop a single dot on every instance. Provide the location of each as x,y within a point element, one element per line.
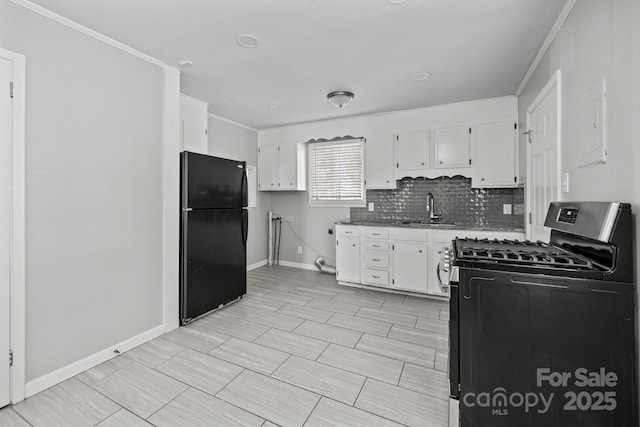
<point>48,380</point>
<point>299,265</point>
<point>257,265</point>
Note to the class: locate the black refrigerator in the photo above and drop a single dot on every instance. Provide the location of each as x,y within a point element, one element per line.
<point>213,233</point>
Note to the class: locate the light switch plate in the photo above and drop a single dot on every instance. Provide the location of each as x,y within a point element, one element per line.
<point>506,209</point>
<point>370,205</point>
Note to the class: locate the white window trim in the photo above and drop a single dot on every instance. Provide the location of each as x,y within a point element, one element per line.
<point>336,204</point>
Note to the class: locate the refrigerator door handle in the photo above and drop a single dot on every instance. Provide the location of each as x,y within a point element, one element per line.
<point>244,185</point>
<point>245,227</point>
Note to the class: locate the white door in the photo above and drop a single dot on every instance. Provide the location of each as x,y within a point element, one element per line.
<point>267,168</point>
<point>410,266</point>
<point>452,147</point>
<point>378,161</point>
<point>6,137</point>
<point>348,259</point>
<point>543,117</point>
<point>412,150</point>
<point>288,167</point>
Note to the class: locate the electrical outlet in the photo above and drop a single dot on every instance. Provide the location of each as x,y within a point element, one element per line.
<point>370,206</point>
<point>506,209</point>
<point>299,249</point>
<point>287,218</point>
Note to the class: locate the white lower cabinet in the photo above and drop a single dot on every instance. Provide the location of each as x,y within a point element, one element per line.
<point>348,259</point>
<point>402,259</point>
<point>410,262</point>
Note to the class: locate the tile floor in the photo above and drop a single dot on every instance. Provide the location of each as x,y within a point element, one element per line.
<point>299,349</point>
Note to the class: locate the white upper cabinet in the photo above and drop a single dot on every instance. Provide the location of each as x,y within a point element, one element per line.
<point>452,147</point>
<point>282,167</point>
<point>378,161</point>
<point>193,129</point>
<point>268,168</point>
<point>288,167</point>
<point>496,155</point>
<point>411,151</point>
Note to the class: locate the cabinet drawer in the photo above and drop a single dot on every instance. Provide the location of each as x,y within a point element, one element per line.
<point>375,233</point>
<point>376,245</point>
<point>410,235</point>
<point>348,231</point>
<point>376,259</point>
<point>378,277</point>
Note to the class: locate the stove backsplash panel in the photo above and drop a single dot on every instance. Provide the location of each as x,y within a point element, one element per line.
<point>452,195</point>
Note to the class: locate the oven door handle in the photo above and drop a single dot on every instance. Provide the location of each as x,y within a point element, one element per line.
<point>443,288</point>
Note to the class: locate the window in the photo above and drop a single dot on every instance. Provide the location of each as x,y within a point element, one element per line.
<point>336,173</point>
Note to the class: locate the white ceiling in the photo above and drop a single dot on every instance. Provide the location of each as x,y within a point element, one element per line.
<point>307,48</point>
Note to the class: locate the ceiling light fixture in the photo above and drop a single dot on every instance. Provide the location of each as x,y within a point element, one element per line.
<point>340,98</point>
<point>420,75</point>
<point>185,63</point>
<point>247,40</point>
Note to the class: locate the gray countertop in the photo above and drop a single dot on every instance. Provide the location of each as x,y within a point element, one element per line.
<point>431,225</point>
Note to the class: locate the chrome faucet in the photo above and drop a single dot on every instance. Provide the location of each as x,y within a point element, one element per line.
<point>432,214</point>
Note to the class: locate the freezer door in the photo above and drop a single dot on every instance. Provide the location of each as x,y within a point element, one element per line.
<point>213,260</point>
<point>212,182</point>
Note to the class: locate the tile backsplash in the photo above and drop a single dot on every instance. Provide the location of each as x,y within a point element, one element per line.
<point>453,196</point>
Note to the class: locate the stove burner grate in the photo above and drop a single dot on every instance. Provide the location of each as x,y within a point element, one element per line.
<point>520,252</point>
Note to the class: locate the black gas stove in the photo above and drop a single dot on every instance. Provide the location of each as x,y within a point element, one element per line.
<point>526,313</point>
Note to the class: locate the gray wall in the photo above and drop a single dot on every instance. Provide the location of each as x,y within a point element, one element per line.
<point>600,39</point>
<point>93,191</point>
<point>238,143</point>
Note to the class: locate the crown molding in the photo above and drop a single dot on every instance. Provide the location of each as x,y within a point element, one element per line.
<point>547,42</point>
<point>89,32</point>
<point>223,119</point>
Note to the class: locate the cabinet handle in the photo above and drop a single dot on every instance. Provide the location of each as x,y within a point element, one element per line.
<point>375,259</point>
<point>387,181</point>
<point>481,179</point>
<point>354,245</point>
<point>422,163</point>
<point>347,232</point>
<point>420,251</point>
<point>440,161</point>
<point>376,234</point>
<point>291,183</point>
<point>376,277</point>
<point>376,246</point>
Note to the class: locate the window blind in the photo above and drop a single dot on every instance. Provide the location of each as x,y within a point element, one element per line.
<point>336,173</point>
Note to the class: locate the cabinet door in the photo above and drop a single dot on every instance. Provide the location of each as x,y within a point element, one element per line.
<point>495,155</point>
<point>412,150</point>
<point>410,266</point>
<point>267,168</point>
<point>348,259</point>
<point>193,119</point>
<point>452,147</point>
<point>435,283</point>
<point>378,161</point>
<point>287,167</point>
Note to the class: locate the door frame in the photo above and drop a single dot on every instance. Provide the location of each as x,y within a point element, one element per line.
<point>554,81</point>
<point>18,238</point>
